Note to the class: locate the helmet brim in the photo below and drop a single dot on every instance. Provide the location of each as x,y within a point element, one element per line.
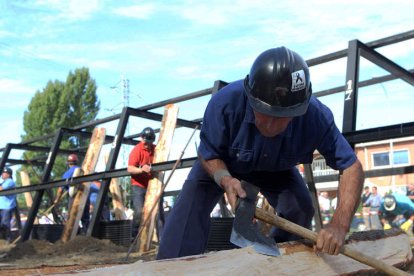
<point>390,207</point>
<point>276,111</point>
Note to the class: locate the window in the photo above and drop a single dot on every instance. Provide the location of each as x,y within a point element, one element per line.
<point>381,159</point>
<point>401,157</point>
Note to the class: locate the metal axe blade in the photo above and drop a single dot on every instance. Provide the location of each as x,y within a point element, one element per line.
<point>244,232</point>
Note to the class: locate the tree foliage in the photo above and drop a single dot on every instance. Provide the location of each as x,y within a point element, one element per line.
<point>59,104</point>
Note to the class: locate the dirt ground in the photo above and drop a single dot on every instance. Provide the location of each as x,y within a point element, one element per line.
<point>39,257</point>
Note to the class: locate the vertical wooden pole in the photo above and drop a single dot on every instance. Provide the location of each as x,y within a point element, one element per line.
<point>161,154</point>
<point>26,182</point>
<point>117,199</point>
<point>78,206</point>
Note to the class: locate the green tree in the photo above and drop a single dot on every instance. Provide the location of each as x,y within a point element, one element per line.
<point>59,104</point>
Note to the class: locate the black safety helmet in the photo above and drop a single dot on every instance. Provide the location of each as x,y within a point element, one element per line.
<point>389,202</point>
<point>148,135</point>
<point>279,83</point>
<point>8,170</point>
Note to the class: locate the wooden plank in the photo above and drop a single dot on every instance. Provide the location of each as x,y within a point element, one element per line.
<point>296,259</point>
<point>117,202</point>
<point>26,182</point>
<point>161,154</point>
<point>117,198</point>
<point>88,166</point>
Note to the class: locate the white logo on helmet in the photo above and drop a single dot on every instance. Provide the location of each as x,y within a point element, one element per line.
<point>298,81</point>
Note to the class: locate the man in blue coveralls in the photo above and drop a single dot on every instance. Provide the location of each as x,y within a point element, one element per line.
<point>7,203</point>
<point>258,129</point>
<point>397,211</point>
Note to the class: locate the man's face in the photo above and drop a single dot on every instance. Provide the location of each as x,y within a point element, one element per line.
<point>147,143</point>
<point>270,126</point>
<point>4,175</point>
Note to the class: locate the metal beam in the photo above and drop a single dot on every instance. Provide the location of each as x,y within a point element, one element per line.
<point>110,165</point>
<point>39,194</point>
<point>364,83</point>
<point>374,44</point>
<point>164,166</point>
<point>380,133</point>
<point>385,63</point>
<point>351,88</point>
<point>186,97</point>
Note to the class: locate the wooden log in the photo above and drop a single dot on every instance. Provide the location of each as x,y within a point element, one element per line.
<point>117,198</point>
<point>161,154</point>
<point>79,202</point>
<point>297,258</point>
<point>26,182</point>
<point>117,202</point>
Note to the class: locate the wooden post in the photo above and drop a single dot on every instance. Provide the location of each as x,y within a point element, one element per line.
<point>88,166</point>
<point>117,202</point>
<point>117,199</point>
<point>161,154</point>
<point>26,182</point>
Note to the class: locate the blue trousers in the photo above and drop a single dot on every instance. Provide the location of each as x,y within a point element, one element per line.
<point>5,222</point>
<point>187,227</point>
<point>138,198</point>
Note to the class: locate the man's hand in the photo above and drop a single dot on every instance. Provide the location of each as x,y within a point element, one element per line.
<point>233,189</point>
<point>406,225</point>
<point>146,168</point>
<point>330,240</point>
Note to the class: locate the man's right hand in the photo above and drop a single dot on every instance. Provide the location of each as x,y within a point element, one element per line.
<point>146,168</point>
<point>233,189</point>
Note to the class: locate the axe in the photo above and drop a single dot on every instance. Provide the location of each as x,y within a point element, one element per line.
<point>244,233</point>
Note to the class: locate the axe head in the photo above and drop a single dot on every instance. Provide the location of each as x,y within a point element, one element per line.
<point>244,232</point>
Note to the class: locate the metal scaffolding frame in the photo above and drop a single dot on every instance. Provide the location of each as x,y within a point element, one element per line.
<point>352,53</point>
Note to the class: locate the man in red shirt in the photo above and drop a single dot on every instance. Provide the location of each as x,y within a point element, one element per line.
<point>139,166</point>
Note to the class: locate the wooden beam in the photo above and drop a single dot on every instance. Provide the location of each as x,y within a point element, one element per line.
<point>26,182</point>
<point>78,206</point>
<point>117,202</point>
<point>162,151</point>
<point>117,198</point>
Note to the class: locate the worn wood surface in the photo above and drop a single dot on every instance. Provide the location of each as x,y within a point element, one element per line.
<point>161,154</point>
<point>296,259</point>
<point>347,250</point>
<point>79,202</point>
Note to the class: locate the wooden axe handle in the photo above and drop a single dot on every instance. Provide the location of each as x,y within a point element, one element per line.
<point>310,235</point>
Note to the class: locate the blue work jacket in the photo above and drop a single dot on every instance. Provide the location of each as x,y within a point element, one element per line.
<point>9,201</point>
<point>229,133</point>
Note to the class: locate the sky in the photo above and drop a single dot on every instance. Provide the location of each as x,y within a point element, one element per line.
<point>166,49</point>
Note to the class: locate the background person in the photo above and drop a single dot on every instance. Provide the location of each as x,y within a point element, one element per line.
<point>7,203</point>
<point>366,208</point>
<point>325,207</point>
<point>410,192</point>
<point>374,203</point>
<point>393,208</point>
<point>258,129</point>
<point>139,166</point>
<point>72,162</point>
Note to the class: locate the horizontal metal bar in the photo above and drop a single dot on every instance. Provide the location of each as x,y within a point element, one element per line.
<point>164,166</point>
<point>364,83</point>
<point>373,44</point>
<point>385,63</point>
<point>380,133</point>
<point>182,98</point>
